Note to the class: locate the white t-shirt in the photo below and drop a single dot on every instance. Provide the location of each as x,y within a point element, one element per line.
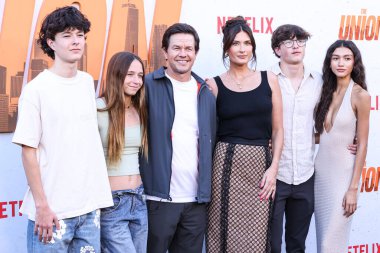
<point>57,116</point>
<point>184,178</point>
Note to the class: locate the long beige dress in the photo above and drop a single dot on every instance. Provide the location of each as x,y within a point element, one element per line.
<point>333,172</point>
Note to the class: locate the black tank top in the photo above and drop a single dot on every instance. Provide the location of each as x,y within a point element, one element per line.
<point>245,117</point>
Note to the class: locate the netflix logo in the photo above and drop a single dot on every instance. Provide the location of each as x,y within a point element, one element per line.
<point>257,24</point>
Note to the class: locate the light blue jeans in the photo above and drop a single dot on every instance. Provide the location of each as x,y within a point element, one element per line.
<point>79,234</point>
<point>124,226</point>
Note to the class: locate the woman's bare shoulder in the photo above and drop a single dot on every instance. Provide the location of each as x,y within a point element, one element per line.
<point>360,97</point>
<point>359,93</point>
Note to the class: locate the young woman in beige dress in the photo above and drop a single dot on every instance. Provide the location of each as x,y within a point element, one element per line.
<point>341,114</point>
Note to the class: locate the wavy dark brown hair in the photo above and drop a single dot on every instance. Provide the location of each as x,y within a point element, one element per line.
<point>117,70</point>
<point>330,81</point>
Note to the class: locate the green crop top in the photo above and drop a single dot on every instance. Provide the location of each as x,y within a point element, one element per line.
<point>129,162</point>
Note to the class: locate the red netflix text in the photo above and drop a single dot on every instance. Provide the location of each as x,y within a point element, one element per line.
<point>257,24</point>
<point>364,248</point>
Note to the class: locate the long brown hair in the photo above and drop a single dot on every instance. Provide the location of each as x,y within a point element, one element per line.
<point>117,70</point>
<point>330,80</point>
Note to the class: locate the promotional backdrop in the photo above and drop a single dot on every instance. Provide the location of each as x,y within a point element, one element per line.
<point>137,26</point>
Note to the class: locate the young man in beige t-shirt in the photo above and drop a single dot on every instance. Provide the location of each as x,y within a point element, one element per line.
<point>61,149</point>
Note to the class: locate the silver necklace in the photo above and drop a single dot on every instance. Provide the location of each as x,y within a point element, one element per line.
<point>236,81</point>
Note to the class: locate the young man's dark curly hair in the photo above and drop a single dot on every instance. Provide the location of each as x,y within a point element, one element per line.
<point>62,19</point>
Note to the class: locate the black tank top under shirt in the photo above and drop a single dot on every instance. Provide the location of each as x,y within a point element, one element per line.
<point>245,117</point>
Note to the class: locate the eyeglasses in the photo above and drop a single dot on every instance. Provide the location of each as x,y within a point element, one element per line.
<point>290,43</point>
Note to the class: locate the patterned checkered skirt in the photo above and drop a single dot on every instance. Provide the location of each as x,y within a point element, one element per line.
<point>238,221</point>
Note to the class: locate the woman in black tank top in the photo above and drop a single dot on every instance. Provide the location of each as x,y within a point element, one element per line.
<point>249,109</point>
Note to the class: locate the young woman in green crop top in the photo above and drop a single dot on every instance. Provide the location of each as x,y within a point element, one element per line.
<point>122,117</point>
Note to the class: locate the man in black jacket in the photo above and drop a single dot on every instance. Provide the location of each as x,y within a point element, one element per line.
<point>181,135</point>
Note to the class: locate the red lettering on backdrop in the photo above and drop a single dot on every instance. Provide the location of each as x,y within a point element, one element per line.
<point>247,19</point>
<point>13,204</point>
<point>269,25</point>
<point>2,210</point>
<point>254,26</point>
<point>364,248</point>
<point>8,209</point>
<point>220,24</point>
<point>257,24</point>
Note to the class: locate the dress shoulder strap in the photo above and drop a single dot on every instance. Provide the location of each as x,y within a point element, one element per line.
<point>264,81</point>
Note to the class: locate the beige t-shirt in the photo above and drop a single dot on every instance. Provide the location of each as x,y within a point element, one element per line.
<point>57,116</point>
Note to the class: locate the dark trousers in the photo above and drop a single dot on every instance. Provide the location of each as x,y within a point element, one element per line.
<point>297,202</point>
<point>177,227</point>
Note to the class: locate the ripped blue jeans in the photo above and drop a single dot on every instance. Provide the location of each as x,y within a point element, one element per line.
<point>79,234</point>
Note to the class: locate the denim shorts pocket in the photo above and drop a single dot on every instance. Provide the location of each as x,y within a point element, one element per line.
<point>116,204</point>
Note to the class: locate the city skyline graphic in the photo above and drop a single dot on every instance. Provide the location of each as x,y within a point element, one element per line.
<point>126,33</point>
<point>13,51</point>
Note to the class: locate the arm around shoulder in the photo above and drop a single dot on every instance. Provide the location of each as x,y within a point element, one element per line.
<point>212,86</point>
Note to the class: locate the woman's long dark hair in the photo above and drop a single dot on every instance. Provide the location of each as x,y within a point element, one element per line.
<point>118,67</point>
<point>330,81</point>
